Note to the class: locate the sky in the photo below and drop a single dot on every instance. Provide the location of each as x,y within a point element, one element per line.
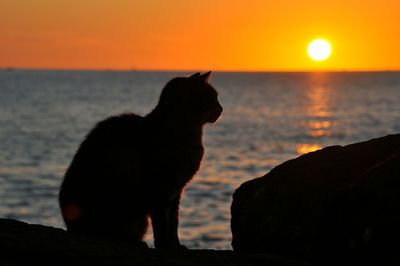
<point>224,35</point>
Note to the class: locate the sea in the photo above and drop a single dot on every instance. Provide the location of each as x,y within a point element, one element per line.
<point>268,118</point>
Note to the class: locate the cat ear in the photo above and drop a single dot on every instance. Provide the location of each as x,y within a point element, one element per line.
<point>206,76</point>
<point>195,75</point>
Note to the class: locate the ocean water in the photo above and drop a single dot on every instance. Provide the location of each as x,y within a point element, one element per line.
<point>268,118</point>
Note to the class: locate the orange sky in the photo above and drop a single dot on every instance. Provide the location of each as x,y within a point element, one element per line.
<point>260,35</point>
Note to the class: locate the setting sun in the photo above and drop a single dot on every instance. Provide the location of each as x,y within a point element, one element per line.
<point>319,50</point>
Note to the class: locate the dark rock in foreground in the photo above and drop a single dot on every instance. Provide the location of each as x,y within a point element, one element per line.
<point>336,204</point>
<point>25,244</point>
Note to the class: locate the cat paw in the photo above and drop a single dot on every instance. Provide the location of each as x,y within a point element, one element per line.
<point>181,247</point>
<point>141,244</point>
<point>169,245</point>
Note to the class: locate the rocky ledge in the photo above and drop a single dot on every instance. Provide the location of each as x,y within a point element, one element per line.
<point>340,205</point>
<point>26,244</point>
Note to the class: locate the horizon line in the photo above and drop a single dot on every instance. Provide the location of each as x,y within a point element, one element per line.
<point>10,68</point>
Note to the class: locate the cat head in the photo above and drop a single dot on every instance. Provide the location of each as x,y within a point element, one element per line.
<point>191,99</point>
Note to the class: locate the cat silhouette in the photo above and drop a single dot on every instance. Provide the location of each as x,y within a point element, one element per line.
<point>130,168</point>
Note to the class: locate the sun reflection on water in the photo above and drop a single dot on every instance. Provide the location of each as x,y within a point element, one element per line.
<point>319,116</point>
<point>319,124</point>
<point>306,148</point>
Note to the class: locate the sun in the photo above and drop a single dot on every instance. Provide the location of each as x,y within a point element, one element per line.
<point>319,49</point>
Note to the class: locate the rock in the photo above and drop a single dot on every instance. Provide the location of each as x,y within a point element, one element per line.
<point>26,244</point>
<point>340,202</point>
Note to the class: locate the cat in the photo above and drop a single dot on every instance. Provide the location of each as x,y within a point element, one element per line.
<point>130,168</point>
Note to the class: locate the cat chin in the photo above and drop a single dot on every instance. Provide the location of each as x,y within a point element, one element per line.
<point>214,115</point>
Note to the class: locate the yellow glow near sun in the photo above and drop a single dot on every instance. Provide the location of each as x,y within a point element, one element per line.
<point>319,49</point>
